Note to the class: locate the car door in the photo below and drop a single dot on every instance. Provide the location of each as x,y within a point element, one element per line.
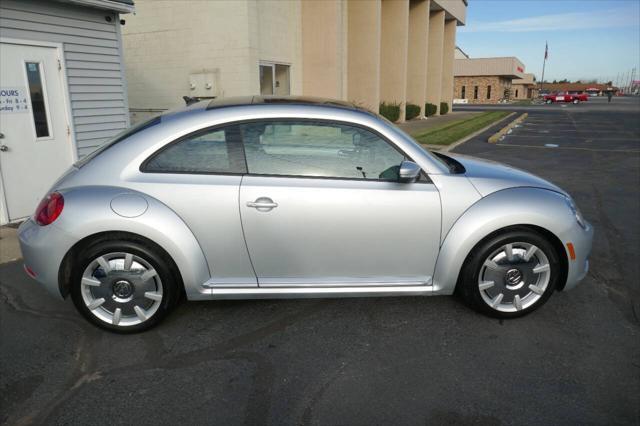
<point>321,205</point>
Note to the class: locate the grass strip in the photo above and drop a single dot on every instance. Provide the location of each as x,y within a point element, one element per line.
<point>453,131</point>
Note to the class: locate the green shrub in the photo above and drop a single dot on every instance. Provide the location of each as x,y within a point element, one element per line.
<point>412,111</point>
<point>430,109</point>
<point>390,111</point>
<point>444,108</point>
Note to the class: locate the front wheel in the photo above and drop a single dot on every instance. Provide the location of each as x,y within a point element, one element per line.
<point>510,275</point>
<point>124,286</point>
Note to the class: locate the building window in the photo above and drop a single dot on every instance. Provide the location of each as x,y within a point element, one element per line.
<point>38,106</point>
<point>475,92</point>
<point>516,93</point>
<point>463,93</point>
<point>488,92</point>
<point>274,79</point>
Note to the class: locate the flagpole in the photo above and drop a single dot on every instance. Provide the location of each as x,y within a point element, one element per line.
<point>544,62</point>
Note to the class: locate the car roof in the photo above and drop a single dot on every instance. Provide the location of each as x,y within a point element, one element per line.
<point>282,100</point>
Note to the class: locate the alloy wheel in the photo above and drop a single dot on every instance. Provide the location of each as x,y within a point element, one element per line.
<point>514,277</point>
<point>121,289</point>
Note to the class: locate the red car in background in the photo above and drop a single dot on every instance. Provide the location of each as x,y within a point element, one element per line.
<point>566,97</point>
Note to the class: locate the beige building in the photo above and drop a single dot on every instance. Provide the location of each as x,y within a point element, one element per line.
<point>365,51</point>
<point>488,80</point>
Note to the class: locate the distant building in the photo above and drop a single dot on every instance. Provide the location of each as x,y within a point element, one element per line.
<point>362,51</point>
<point>594,89</point>
<point>486,80</point>
<point>524,88</point>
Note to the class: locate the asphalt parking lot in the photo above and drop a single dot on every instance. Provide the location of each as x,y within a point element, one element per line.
<point>369,361</point>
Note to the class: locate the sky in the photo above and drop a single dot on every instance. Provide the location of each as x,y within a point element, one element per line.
<point>588,39</point>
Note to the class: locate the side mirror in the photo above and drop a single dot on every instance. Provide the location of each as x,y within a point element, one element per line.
<point>409,172</point>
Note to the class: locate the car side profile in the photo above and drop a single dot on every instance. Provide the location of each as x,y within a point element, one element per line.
<point>268,197</point>
<point>574,98</point>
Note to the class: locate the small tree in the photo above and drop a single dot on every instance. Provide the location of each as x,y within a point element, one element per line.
<point>390,111</point>
<point>444,108</point>
<point>412,111</point>
<point>430,109</point>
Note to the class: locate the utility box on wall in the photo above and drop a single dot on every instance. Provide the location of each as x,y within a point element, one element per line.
<point>203,84</point>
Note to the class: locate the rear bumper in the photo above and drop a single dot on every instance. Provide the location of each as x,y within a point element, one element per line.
<point>43,248</point>
<point>582,240</point>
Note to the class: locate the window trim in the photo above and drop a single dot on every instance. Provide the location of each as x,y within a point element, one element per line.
<point>424,177</point>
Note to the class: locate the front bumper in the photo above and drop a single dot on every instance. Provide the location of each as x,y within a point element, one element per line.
<point>582,240</point>
<point>43,248</point>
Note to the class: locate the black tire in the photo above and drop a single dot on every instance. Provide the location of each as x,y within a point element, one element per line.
<point>549,101</point>
<point>468,289</point>
<point>161,262</point>
<point>576,101</point>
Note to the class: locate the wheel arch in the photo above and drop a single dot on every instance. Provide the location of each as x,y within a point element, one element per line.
<point>545,233</point>
<point>65,270</point>
<point>540,210</point>
<point>88,214</point>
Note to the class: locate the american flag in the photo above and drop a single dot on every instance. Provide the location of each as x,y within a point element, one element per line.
<point>546,50</point>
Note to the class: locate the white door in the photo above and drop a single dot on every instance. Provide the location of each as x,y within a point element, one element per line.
<point>35,146</point>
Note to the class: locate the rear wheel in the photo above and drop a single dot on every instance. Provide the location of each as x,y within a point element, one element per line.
<point>124,286</point>
<point>510,274</point>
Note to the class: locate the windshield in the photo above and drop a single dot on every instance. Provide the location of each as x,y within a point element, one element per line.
<point>118,138</point>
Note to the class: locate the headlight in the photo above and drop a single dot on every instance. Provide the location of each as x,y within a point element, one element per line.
<point>576,212</point>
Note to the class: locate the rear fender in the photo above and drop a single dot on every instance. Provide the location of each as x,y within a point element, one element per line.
<point>510,207</point>
<point>97,209</point>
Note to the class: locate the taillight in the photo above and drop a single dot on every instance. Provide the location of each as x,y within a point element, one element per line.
<point>49,208</point>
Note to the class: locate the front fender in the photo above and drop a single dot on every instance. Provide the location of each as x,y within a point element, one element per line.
<point>515,206</point>
<point>89,210</point>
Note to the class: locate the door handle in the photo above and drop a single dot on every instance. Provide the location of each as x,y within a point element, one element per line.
<point>262,204</point>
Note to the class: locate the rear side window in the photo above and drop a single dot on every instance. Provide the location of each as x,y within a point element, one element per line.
<point>210,151</point>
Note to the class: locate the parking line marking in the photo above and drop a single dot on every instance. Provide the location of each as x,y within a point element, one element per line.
<point>632,151</point>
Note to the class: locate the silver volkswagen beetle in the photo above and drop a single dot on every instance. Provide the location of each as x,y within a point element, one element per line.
<point>295,197</point>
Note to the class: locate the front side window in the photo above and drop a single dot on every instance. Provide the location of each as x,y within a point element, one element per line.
<point>210,151</point>
<point>317,149</point>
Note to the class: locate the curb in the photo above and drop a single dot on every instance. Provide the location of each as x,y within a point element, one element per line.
<point>506,129</point>
<point>447,148</point>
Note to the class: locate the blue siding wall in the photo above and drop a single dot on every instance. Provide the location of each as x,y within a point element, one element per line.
<point>93,61</point>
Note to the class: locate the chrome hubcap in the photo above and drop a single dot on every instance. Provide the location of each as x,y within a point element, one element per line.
<point>514,277</point>
<point>121,289</point>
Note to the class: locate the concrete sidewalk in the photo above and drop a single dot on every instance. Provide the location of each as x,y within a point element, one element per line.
<point>418,126</point>
<point>9,247</point>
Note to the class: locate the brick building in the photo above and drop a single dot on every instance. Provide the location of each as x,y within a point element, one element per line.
<point>593,89</point>
<point>524,88</point>
<point>489,80</point>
